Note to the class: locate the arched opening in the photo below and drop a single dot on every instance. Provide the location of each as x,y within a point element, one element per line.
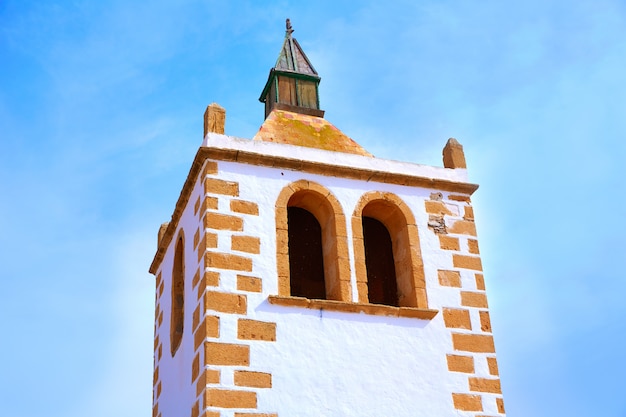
<point>306,259</point>
<point>311,242</point>
<point>178,296</point>
<point>373,268</point>
<point>381,270</point>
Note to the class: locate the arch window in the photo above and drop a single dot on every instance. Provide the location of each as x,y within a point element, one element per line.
<point>381,271</point>
<point>312,255</point>
<point>178,296</point>
<point>306,259</point>
<point>386,241</point>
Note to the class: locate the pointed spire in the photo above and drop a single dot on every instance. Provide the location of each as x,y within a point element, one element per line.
<point>293,82</point>
<point>292,57</point>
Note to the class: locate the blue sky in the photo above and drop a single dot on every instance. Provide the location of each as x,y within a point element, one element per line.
<point>101,108</point>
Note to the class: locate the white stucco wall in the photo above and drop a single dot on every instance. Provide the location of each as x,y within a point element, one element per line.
<point>324,363</point>
<point>178,394</point>
<point>339,364</point>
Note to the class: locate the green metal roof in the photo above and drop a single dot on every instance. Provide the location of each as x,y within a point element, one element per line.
<point>292,57</point>
<point>292,61</point>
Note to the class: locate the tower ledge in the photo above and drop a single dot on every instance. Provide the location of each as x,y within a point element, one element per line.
<point>334,163</point>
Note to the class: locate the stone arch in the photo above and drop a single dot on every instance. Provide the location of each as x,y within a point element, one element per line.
<point>322,204</point>
<point>177,308</point>
<point>396,216</point>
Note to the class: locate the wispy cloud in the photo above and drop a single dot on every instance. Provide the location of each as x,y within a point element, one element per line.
<point>101,112</point>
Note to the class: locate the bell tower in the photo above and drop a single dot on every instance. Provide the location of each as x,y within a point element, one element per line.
<point>300,275</point>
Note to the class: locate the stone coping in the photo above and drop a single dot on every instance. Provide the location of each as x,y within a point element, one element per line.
<point>337,170</point>
<point>341,164</point>
<point>344,307</point>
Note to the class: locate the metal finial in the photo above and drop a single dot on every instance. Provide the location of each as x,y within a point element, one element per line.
<point>288,26</point>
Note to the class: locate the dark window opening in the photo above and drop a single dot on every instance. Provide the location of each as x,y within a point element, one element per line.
<point>306,261</point>
<point>178,297</point>
<point>382,287</point>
